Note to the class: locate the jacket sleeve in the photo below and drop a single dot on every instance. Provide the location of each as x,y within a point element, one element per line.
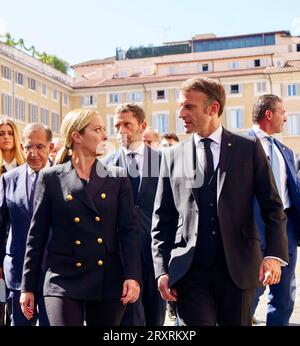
<point>271,206</point>
<point>37,238</point>
<point>164,221</point>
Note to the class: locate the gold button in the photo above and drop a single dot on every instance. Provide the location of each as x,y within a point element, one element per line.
<point>78,264</point>
<point>97,218</point>
<point>100,263</point>
<point>103,195</point>
<point>100,240</point>
<point>77,242</point>
<point>76,219</point>
<point>70,198</point>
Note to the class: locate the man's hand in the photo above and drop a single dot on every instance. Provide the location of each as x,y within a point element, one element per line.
<point>27,304</point>
<point>270,271</point>
<point>131,291</point>
<point>163,286</point>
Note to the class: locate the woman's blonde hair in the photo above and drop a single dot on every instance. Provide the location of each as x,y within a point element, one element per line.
<point>19,156</point>
<point>75,121</point>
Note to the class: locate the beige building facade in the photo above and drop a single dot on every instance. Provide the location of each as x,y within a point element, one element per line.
<point>247,66</point>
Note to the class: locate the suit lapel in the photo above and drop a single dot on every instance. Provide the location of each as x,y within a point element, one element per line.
<point>76,187</point>
<point>21,189</point>
<point>227,146</point>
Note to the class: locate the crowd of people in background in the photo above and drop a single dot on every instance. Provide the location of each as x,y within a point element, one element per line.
<point>197,228</point>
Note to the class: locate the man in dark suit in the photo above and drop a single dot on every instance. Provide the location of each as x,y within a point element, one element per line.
<point>142,164</point>
<point>269,118</point>
<point>205,245</point>
<point>16,207</point>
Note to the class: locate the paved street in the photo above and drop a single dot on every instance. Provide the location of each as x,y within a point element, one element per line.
<point>262,307</point>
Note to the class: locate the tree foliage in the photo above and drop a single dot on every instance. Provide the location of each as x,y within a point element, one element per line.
<point>51,60</point>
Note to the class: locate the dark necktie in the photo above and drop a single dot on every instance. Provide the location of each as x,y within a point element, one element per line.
<point>31,198</point>
<point>209,162</point>
<point>134,176</point>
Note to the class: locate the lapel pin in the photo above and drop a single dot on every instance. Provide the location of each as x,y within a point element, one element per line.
<point>283,148</point>
<point>229,144</point>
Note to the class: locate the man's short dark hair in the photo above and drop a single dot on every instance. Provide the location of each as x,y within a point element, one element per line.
<point>213,89</point>
<point>264,103</point>
<point>136,110</point>
<point>171,135</point>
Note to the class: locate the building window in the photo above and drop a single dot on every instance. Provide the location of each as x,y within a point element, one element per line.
<point>110,127</point>
<point>235,118</point>
<point>33,113</point>
<point>55,122</point>
<point>159,95</point>
<point>234,65</point>
<point>234,89</point>
<point>89,100</point>
<point>123,74</point>
<point>66,100</point>
<point>32,84</point>
<point>45,116</point>
<point>20,109</point>
<point>204,67</point>
<point>257,63</point>
<point>54,94</point>
<point>172,70</point>
<point>298,47</point>
<point>6,72</point>
<point>160,121</point>
<point>293,90</point>
<point>292,125</point>
<point>114,98</point>
<point>136,96</point>
<point>19,78</point>
<point>44,89</point>
<point>6,105</point>
<point>179,124</point>
<point>261,87</point>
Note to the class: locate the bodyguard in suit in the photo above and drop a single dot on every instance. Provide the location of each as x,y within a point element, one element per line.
<point>142,164</point>
<point>269,118</point>
<point>84,212</point>
<point>16,206</point>
<point>205,244</point>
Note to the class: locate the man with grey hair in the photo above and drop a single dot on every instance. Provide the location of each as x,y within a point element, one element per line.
<point>269,117</point>
<point>16,209</point>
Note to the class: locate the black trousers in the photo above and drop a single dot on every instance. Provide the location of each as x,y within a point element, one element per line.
<point>208,296</point>
<point>64,311</point>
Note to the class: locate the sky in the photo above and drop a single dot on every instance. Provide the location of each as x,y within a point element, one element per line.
<point>82,30</point>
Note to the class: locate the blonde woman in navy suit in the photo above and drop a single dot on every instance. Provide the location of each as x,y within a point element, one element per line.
<point>84,211</point>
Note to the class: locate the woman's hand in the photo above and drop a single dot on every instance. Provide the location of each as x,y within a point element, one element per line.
<point>131,291</point>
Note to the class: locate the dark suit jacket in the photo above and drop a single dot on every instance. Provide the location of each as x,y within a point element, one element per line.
<point>242,173</point>
<point>85,228</point>
<point>292,180</point>
<point>15,217</point>
<point>146,195</point>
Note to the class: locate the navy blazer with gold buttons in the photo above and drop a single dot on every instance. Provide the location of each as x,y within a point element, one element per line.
<point>90,232</point>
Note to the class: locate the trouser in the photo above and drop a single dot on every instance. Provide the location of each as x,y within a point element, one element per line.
<point>281,297</point>
<point>208,296</point>
<point>63,311</point>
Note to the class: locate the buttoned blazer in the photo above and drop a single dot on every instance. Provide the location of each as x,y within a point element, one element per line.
<point>91,236</point>
<point>242,173</point>
<point>15,217</point>
<point>145,199</point>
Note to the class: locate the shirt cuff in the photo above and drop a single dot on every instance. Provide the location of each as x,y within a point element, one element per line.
<point>282,263</point>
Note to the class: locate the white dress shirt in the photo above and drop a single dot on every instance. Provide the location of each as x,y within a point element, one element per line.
<point>139,157</point>
<point>10,165</point>
<point>262,136</point>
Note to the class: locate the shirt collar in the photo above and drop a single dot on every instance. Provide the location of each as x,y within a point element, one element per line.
<point>216,136</point>
<point>259,132</point>
<point>139,150</point>
<point>13,163</point>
